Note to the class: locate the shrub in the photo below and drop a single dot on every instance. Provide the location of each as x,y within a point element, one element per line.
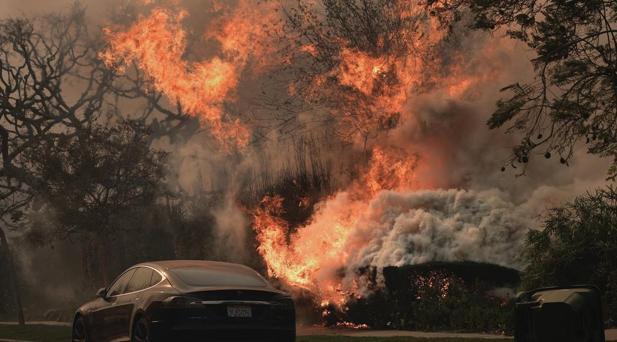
<point>438,296</point>
<point>578,245</point>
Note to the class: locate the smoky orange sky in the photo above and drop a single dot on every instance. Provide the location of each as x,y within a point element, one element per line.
<point>38,7</point>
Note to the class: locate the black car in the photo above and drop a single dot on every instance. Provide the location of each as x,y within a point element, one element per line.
<point>187,300</point>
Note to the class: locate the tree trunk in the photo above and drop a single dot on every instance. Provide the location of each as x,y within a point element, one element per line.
<point>103,260</point>
<point>12,275</point>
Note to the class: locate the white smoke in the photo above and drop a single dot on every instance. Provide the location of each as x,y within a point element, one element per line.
<point>440,225</point>
<point>231,233</point>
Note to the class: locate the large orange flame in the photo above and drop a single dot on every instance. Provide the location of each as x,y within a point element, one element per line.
<point>311,257</point>
<point>156,44</point>
<point>371,92</point>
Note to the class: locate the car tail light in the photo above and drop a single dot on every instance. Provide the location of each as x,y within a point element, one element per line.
<point>183,302</point>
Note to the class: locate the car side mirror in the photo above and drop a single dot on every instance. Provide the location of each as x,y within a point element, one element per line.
<point>101,293</point>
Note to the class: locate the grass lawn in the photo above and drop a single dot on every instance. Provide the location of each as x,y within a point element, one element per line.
<point>56,334</point>
<point>385,339</point>
<point>35,333</point>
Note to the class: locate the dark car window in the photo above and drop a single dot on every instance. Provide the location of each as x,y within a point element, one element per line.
<point>140,280</point>
<point>155,279</point>
<point>219,277</point>
<point>120,284</point>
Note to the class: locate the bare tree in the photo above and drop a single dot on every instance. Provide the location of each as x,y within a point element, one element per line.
<point>54,91</point>
<point>37,60</point>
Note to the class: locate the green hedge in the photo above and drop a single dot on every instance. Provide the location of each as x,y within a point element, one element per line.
<point>439,296</point>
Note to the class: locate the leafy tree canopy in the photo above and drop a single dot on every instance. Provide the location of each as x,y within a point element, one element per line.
<point>573,98</point>
<point>94,176</point>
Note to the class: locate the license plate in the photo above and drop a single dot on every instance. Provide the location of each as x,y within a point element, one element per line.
<point>239,311</point>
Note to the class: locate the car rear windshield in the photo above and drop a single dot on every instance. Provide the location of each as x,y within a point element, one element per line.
<point>218,277</point>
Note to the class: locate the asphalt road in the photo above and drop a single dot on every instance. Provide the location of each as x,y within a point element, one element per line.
<point>611,334</point>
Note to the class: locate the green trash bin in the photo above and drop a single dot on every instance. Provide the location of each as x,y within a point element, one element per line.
<point>559,314</point>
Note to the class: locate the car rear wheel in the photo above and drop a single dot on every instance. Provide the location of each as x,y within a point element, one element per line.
<point>79,330</point>
<point>141,331</point>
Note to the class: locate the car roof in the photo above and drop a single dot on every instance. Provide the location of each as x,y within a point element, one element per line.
<point>165,266</point>
<point>171,264</point>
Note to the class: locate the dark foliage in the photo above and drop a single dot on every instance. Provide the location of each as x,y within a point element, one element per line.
<point>578,245</point>
<point>468,271</point>
<point>438,296</point>
<point>301,184</point>
<point>96,175</point>
<point>97,185</point>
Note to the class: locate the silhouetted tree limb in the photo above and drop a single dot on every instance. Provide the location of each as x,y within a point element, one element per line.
<point>55,92</point>
<point>574,95</point>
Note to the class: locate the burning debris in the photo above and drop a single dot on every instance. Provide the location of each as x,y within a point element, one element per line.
<point>349,325</point>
